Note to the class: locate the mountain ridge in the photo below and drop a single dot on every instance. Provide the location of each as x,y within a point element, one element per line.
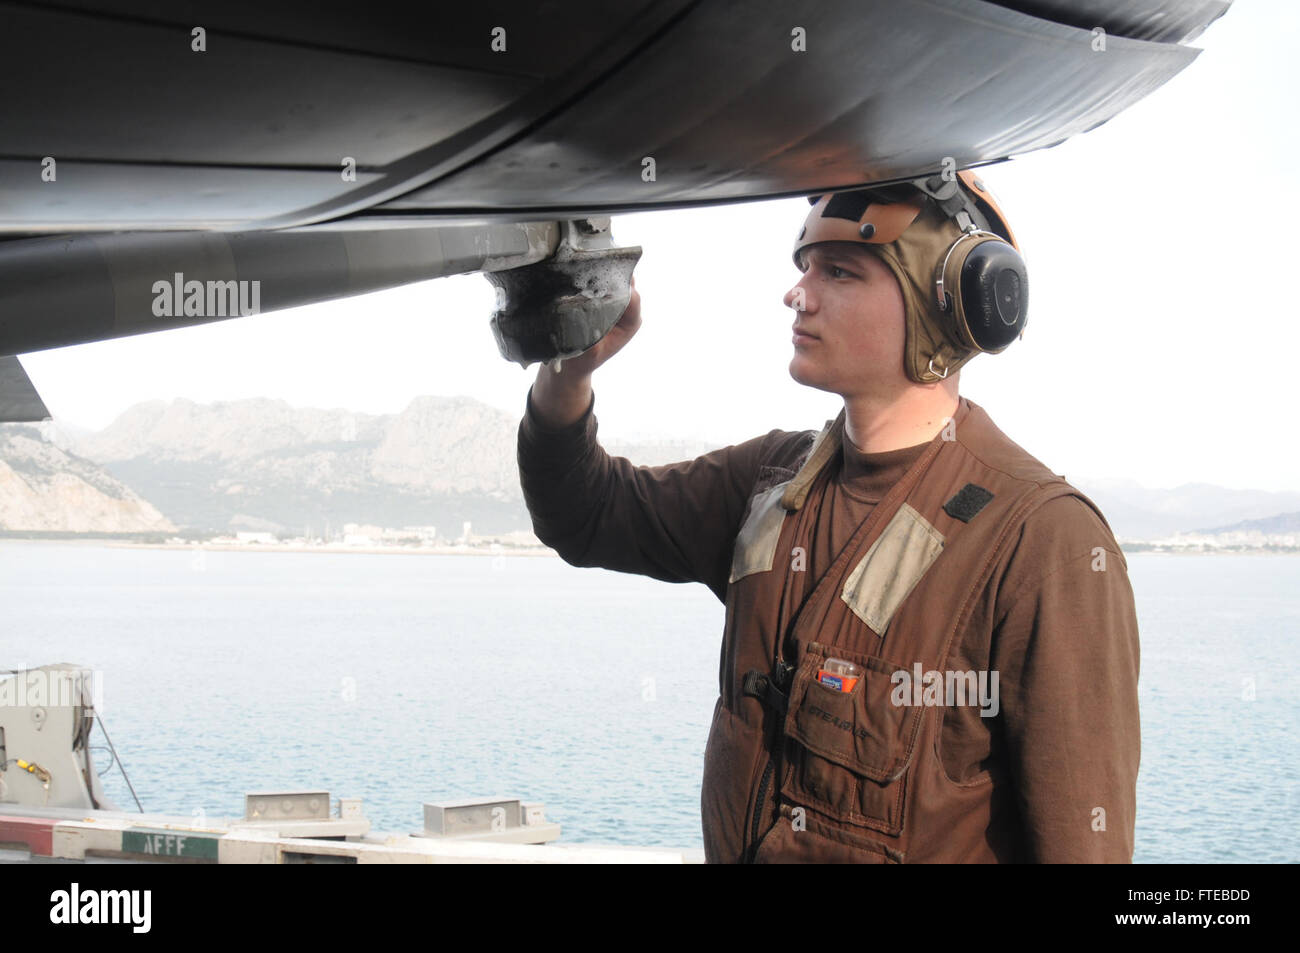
<point>45,488</point>
<point>262,464</point>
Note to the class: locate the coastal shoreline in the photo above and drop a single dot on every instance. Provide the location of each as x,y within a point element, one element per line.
<point>514,550</point>
<point>486,550</point>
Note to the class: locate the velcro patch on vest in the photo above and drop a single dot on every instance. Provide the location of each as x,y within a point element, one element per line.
<point>755,547</point>
<point>892,567</point>
<point>969,500</point>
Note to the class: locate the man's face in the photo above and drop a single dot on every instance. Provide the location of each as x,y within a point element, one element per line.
<point>853,312</point>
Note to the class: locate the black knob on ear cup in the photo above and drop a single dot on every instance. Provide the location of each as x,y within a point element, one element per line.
<point>994,294</point>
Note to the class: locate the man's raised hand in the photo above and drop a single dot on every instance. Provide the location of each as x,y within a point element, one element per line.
<point>561,397</point>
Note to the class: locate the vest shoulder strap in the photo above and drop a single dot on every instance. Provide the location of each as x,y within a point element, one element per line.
<point>824,449</point>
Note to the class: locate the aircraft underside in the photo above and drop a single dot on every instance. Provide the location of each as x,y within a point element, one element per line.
<point>165,162</point>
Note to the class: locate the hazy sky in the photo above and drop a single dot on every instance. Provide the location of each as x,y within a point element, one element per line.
<point>1162,326</point>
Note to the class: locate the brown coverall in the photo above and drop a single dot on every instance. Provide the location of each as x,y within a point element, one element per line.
<point>964,557</point>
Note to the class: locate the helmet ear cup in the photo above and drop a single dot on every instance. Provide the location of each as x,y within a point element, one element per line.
<point>984,288</point>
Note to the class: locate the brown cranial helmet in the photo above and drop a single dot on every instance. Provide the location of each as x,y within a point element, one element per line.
<point>965,289</point>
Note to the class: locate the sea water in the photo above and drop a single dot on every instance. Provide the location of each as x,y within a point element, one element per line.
<point>403,678</point>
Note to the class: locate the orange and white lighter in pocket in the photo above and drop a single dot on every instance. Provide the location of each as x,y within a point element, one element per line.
<point>839,674</point>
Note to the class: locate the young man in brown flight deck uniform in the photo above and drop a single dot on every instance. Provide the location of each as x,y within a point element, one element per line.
<point>931,647</point>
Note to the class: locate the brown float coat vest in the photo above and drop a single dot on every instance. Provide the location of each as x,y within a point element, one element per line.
<point>798,771</point>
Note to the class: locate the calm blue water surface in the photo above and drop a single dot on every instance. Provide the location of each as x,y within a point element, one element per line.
<point>402,679</point>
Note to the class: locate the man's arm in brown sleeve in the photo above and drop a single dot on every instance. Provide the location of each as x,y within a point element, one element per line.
<point>1067,654</point>
<point>677,522</point>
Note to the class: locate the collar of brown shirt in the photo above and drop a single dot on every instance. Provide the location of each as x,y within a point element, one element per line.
<point>867,477</point>
<point>861,482</point>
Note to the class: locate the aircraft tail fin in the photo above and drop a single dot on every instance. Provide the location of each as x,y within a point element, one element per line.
<point>19,402</point>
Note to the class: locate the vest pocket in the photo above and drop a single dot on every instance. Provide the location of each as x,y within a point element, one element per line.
<point>850,750</point>
<point>811,843</point>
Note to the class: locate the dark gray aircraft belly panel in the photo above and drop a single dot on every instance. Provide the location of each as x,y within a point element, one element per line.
<point>254,131</point>
<point>141,94</point>
<point>339,147</point>
<point>729,112</point>
<point>1164,21</point>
